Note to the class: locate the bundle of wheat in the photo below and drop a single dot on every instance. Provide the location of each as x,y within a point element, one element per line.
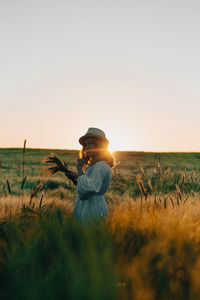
<point>58,166</point>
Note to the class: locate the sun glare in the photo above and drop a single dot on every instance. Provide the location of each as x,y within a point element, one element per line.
<point>112,148</point>
<point>118,141</point>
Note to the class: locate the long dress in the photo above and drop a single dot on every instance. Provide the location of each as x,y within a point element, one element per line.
<point>91,187</point>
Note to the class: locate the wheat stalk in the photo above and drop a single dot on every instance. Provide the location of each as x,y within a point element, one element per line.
<point>57,166</point>
<point>35,191</point>
<point>24,149</point>
<point>23,182</point>
<point>8,186</point>
<point>23,178</point>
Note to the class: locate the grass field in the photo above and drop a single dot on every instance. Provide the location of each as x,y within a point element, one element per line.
<point>147,248</point>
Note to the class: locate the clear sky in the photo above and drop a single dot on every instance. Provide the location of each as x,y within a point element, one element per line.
<point>131,68</point>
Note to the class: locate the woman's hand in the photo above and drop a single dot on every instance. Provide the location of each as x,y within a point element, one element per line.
<point>80,163</point>
<point>72,175</point>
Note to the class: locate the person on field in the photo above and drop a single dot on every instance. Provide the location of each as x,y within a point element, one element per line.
<point>94,168</point>
<point>94,173</point>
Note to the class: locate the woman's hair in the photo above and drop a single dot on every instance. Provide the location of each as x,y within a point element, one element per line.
<point>99,154</point>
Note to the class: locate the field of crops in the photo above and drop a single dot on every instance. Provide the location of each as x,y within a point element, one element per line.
<point>147,248</point>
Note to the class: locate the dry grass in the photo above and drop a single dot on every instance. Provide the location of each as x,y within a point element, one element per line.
<point>12,205</point>
<point>156,247</point>
<point>155,231</point>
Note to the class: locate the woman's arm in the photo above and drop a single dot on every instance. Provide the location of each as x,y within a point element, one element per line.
<point>90,184</point>
<point>74,176</point>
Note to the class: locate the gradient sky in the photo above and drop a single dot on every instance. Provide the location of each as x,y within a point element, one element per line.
<point>131,68</point>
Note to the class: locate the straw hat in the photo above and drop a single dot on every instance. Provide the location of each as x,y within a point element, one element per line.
<point>94,132</point>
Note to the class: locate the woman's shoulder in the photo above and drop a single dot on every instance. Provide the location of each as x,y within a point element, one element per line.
<point>101,164</point>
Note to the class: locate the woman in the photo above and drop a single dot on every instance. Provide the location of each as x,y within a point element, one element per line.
<point>94,175</point>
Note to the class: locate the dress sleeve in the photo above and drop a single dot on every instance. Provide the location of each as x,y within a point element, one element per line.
<point>90,184</point>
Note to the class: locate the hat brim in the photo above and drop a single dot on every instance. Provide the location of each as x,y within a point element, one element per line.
<point>82,138</point>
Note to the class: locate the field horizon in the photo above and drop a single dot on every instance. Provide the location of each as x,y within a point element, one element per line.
<point>68,149</point>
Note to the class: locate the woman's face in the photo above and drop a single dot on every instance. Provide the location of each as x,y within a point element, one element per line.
<point>91,145</point>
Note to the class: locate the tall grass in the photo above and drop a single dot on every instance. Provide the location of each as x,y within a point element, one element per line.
<point>23,177</point>
<point>49,256</point>
<point>157,249</point>
<point>148,252</point>
<point>147,248</point>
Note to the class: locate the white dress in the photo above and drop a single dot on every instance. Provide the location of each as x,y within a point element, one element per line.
<point>91,187</point>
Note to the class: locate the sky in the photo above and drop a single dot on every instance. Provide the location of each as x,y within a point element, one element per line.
<point>130,68</point>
